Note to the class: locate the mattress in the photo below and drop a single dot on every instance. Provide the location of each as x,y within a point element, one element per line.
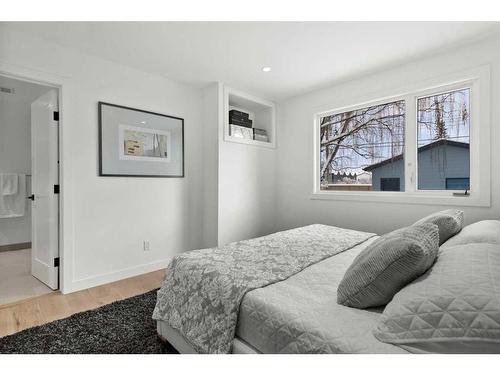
<point>301,315</point>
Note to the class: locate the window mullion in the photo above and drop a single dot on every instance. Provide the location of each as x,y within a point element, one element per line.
<point>410,144</point>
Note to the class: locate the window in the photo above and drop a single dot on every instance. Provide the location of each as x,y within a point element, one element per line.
<point>390,184</point>
<point>361,147</point>
<point>427,144</point>
<point>443,125</point>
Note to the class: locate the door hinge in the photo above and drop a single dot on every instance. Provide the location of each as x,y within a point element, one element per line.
<point>56,262</point>
<point>56,189</point>
<point>56,115</point>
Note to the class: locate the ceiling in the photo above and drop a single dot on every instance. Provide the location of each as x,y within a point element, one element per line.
<point>303,55</point>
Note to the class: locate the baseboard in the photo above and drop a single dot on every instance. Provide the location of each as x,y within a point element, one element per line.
<point>15,246</point>
<point>97,280</point>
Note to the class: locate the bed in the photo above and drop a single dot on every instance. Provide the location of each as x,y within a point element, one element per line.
<point>300,314</point>
<point>279,293</point>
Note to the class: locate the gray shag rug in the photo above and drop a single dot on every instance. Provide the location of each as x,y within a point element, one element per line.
<point>121,327</point>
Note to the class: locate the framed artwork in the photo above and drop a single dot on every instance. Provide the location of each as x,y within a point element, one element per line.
<point>138,143</point>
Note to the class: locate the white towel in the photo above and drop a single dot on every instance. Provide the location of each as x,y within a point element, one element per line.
<point>14,205</point>
<point>8,183</point>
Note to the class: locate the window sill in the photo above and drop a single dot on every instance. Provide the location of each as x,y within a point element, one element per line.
<point>436,199</point>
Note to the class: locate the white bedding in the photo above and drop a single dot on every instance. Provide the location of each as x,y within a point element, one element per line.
<point>301,315</point>
<point>455,306</point>
<point>203,289</point>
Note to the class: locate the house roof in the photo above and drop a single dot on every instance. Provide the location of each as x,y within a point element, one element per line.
<point>438,143</point>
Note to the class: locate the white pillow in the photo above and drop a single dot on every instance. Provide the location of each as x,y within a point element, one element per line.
<point>487,231</point>
<point>453,308</point>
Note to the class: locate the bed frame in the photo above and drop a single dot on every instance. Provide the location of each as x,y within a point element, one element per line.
<point>175,338</point>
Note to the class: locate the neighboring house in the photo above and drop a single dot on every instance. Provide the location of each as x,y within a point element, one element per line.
<point>352,178</point>
<point>364,178</point>
<point>442,165</point>
<point>342,177</point>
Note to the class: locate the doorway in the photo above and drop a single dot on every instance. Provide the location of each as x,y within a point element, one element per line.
<point>29,190</point>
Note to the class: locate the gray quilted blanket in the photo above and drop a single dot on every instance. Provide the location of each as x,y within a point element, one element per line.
<point>203,289</point>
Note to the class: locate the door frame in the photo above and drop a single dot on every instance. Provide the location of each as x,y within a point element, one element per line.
<point>63,86</point>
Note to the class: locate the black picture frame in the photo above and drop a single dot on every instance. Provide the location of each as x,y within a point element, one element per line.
<point>100,145</point>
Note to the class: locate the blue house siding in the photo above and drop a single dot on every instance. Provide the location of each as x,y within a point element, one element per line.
<point>439,163</point>
<point>391,170</point>
<point>436,162</point>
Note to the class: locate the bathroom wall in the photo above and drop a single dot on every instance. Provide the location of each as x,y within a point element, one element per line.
<point>15,149</point>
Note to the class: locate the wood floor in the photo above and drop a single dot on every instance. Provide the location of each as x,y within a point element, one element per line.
<point>44,309</point>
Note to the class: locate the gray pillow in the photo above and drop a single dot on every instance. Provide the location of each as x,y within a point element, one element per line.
<point>387,265</point>
<point>453,308</point>
<point>449,222</point>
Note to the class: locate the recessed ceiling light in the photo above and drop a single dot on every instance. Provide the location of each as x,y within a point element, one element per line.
<point>266,69</point>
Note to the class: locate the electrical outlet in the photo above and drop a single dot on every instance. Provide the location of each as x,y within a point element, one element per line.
<point>146,245</point>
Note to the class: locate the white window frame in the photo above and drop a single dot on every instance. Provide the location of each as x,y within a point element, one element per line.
<point>478,81</point>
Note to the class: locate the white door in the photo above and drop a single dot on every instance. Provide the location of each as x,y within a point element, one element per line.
<point>45,185</point>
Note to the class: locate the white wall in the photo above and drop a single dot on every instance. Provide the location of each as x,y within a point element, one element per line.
<point>112,216</point>
<point>247,202</point>
<point>295,145</point>
<point>212,115</point>
<point>15,149</point>
<point>239,180</point>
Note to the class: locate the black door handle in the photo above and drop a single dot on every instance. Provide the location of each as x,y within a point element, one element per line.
<point>32,197</point>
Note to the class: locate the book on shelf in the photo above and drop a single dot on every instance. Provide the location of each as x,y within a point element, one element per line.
<point>261,138</point>
<point>240,118</point>
<point>260,135</point>
<point>260,131</point>
<point>238,114</point>
<point>246,123</point>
